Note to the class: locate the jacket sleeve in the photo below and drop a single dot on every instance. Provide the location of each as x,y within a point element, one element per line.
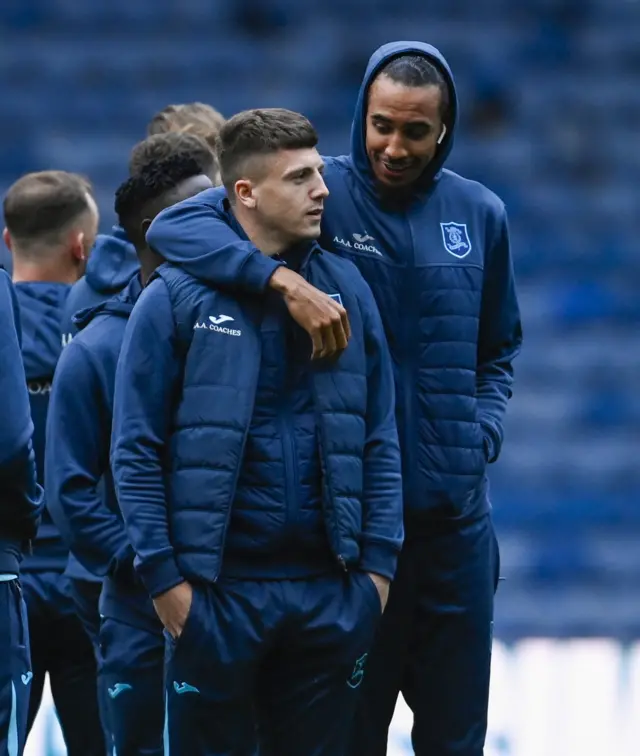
<point>77,457</point>
<point>195,235</point>
<point>383,530</point>
<point>21,497</point>
<point>147,379</point>
<point>499,341</point>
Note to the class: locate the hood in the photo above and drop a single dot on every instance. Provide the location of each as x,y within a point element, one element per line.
<point>121,304</point>
<point>112,262</point>
<point>358,148</point>
<point>41,309</point>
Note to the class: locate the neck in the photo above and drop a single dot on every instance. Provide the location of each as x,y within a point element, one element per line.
<point>269,241</point>
<point>42,272</point>
<point>149,261</point>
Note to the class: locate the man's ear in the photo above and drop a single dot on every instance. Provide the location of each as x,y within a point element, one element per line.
<point>243,190</point>
<point>6,238</point>
<point>144,227</point>
<point>76,245</point>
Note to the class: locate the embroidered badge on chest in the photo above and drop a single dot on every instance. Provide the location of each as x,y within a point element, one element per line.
<point>456,239</point>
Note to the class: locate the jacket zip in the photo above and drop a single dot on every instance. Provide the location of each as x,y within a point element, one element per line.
<point>328,507</point>
<point>329,512</point>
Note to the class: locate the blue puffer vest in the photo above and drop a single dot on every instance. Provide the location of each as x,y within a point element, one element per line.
<point>220,339</point>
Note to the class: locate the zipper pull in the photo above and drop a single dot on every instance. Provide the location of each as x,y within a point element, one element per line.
<point>342,563</point>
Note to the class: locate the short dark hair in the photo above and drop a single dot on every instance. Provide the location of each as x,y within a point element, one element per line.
<point>260,132</point>
<point>159,147</point>
<point>194,117</point>
<point>39,206</point>
<point>155,181</point>
<point>418,71</point>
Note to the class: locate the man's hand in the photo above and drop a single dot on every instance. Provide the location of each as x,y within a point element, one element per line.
<point>173,608</point>
<point>382,584</point>
<point>322,318</point>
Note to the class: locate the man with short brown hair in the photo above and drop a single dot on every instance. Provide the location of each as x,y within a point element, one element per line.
<point>262,494</point>
<point>193,117</point>
<point>51,223</point>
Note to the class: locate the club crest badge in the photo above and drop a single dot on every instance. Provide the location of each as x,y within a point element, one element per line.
<point>456,239</point>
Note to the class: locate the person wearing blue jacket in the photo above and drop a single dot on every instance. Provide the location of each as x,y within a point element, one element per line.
<point>21,504</point>
<point>261,491</point>
<point>51,222</point>
<point>434,247</point>
<point>79,477</point>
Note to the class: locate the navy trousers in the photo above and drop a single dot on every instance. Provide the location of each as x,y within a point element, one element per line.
<point>60,647</point>
<point>133,673</point>
<point>434,644</point>
<point>86,598</point>
<point>271,665</point>
<point>15,669</point>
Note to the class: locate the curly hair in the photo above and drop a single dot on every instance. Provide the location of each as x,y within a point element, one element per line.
<point>162,146</point>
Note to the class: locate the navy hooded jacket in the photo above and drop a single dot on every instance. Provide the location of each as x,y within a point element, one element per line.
<point>41,308</point>
<point>186,391</point>
<point>21,499</point>
<point>79,478</point>
<point>440,269</point>
<point>112,263</point>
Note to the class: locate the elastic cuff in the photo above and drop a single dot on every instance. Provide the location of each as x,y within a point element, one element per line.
<point>379,557</point>
<point>490,447</point>
<point>257,271</point>
<point>160,575</point>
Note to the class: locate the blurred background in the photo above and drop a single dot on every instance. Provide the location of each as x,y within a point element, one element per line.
<point>550,104</point>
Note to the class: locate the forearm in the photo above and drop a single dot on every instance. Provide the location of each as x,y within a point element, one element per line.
<point>499,341</point>
<point>146,379</point>
<point>196,235</point>
<point>383,530</point>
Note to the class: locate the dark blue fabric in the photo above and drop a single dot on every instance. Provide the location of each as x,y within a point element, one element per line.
<point>133,674</point>
<point>21,500</point>
<point>185,393</point>
<point>78,472</point>
<point>280,476</point>
<point>41,308</point>
<point>15,668</point>
<point>434,644</point>
<point>61,649</point>
<point>276,661</point>
<point>86,597</point>
<point>450,313</point>
<point>112,264</point>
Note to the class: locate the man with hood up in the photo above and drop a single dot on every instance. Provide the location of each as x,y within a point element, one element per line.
<point>51,223</point>
<point>434,248</point>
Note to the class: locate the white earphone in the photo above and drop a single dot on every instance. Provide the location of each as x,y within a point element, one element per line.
<point>443,133</point>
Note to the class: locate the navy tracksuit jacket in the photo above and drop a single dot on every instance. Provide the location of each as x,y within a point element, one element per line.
<point>79,477</point>
<point>440,268</point>
<point>110,267</point>
<point>21,504</point>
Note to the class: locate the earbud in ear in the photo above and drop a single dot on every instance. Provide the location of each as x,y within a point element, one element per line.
<point>443,133</point>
